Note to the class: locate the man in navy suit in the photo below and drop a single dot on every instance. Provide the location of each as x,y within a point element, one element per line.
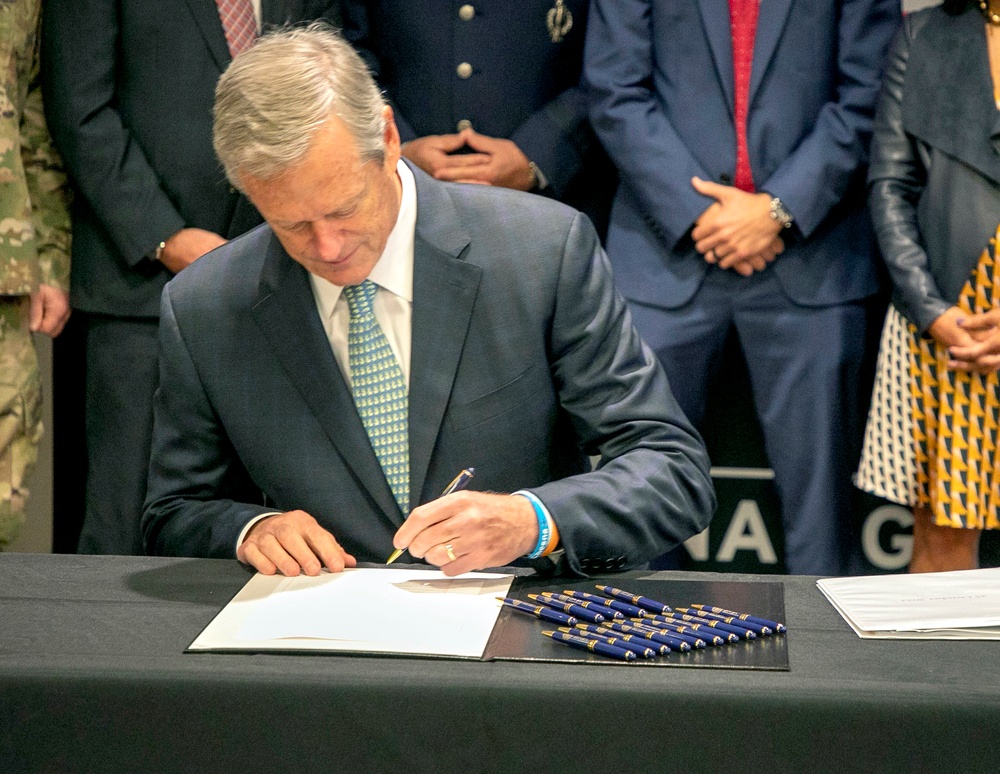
<point>128,96</point>
<point>490,318</point>
<point>740,131</point>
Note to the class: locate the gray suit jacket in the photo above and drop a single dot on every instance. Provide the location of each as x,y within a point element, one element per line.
<point>524,362</point>
<point>935,170</point>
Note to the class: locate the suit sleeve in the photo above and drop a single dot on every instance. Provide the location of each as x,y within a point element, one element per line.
<point>81,68</point>
<point>651,489</point>
<point>199,496</point>
<point>896,178</point>
<point>817,174</point>
<point>651,157</point>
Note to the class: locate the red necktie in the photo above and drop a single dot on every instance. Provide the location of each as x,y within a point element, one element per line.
<point>239,24</point>
<point>743,23</point>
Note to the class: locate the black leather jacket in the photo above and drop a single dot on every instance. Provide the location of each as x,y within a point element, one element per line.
<point>934,180</point>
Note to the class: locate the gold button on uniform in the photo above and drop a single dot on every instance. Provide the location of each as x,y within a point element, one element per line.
<point>464,70</point>
<point>465,123</point>
<point>466,12</point>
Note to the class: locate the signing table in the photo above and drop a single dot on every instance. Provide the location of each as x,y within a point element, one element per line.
<point>94,678</point>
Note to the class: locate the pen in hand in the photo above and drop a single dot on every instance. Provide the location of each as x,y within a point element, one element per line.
<point>459,482</point>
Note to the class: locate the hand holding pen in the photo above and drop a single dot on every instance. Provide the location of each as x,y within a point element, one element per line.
<point>467,531</point>
<point>458,482</point>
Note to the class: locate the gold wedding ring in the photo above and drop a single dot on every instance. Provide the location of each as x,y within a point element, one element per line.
<point>450,551</point>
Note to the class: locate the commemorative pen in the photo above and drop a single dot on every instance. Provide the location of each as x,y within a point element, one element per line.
<point>566,607</point>
<point>773,625</point>
<point>635,599</point>
<point>691,630</point>
<point>459,482</point>
<point>605,630</point>
<point>625,631</point>
<point>675,640</point>
<point>753,626</point>
<point>642,651</point>
<point>741,633</point>
<point>594,646</point>
<point>596,607</point>
<point>539,611</point>
<point>614,604</point>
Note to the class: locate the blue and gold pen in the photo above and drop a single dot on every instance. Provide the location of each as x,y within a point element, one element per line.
<point>659,624</point>
<point>596,607</point>
<point>780,628</point>
<point>640,650</point>
<point>459,482</point>
<point>635,599</point>
<point>566,607</point>
<point>718,636</point>
<point>614,604</point>
<point>594,646</point>
<point>730,620</point>
<point>741,633</point>
<point>639,645</point>
<point>539,611</point>
<point>670,639</point>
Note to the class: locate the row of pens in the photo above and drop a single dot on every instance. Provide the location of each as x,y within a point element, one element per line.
<point>626,626</point>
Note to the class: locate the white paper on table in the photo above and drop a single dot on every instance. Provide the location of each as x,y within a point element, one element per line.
<point>964,604</point>
<point>420,612</point>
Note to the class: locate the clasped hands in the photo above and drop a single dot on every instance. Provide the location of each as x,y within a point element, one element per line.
<point>481,529</point>
<point>492,161</point>
<point>736,231</point>
<point>973,340</point>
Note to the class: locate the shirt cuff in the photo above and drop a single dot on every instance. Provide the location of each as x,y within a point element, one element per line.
<point>249,524</point>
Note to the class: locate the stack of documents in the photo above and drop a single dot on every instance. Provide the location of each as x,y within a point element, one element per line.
<point>963,605</point>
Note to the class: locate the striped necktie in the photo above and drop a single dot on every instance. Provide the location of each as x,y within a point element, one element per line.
<point>379,391</point>
<point>239,24</point>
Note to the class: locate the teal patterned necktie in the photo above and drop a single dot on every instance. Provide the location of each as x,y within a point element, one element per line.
<point>379,391</point>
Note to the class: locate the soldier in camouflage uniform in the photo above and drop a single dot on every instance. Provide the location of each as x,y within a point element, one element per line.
<point>34,253</point>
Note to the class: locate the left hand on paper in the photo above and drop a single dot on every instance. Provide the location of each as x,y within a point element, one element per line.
<point>483,530</point>
<point>291,543</point>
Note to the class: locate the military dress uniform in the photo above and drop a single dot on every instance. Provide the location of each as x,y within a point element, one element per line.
<point>34,248</point>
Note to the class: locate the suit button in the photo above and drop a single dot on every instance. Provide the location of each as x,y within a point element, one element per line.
<point>725,179</point>
<point>466,12</point>
<point>465,123</point>
<point>464,70</point>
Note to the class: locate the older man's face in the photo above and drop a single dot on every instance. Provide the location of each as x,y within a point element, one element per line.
<point>332,213</point>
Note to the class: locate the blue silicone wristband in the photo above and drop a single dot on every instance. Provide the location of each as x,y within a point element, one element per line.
<point>544,533</point>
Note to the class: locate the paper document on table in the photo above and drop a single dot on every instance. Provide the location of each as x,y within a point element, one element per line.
<point>963,604</point>
<point>420,612</point>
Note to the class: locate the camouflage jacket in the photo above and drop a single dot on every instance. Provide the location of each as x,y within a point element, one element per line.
<point>34,218</point>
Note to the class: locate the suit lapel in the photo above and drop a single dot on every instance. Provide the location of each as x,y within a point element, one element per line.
<point>946,100</point>
<point>715,18</point>
<point>206,14</point>
<point>444,294</point>
<point>770,27</point>
<point>286,314</point>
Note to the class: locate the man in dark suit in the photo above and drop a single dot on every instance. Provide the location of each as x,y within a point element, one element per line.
<point>485,319</point>
<point>129,90</point>
<point>489,92</point>
<point>740,131</point>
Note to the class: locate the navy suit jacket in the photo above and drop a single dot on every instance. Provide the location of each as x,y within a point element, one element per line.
<point>660,74</point>
<point>523,87</point>
<point>524,362</point>
<point>129,88</point>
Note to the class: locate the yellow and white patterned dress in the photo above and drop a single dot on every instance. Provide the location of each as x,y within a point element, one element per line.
<point>956,420</point>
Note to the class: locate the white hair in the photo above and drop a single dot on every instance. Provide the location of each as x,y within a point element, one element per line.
<point>276,94</point>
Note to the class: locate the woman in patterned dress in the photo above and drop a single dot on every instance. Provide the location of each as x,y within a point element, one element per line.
<point>935,201</point>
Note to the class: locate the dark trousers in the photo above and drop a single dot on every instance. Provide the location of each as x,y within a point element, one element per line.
<point>122,375</point>
<point>807,367</point>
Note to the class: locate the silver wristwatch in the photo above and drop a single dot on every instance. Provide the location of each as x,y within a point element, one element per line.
<point>779,213</point>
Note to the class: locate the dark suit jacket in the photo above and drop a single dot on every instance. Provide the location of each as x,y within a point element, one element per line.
<point>524,361</point>
<point>524,86</point>
<point>935,172</point>
<point>129,88</point>
<point>660,74</point>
